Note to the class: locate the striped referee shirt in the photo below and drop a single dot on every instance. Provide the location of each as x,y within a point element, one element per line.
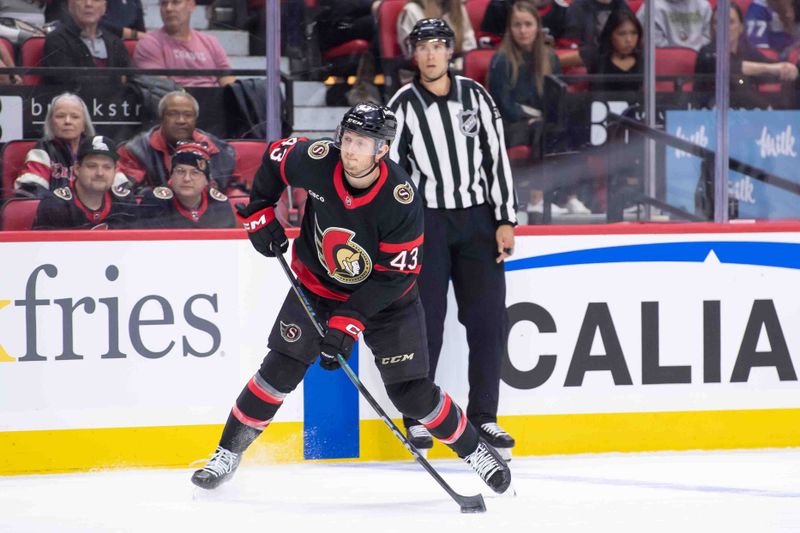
<point>453,147</point>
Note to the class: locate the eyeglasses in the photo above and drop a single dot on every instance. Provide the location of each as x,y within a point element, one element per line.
<point>193,172</point>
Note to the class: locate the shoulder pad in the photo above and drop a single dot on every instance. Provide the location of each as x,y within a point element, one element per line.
<point>163,193</point>
<point>64,193</point>
<point>120,191</point>
<point>217,195</point>
<point>319,149</point>
<point>404,193</point>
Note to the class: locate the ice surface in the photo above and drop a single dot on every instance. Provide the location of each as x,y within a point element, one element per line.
<point>677,492</point>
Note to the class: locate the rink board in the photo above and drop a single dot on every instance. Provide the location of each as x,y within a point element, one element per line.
<point>126,349</point>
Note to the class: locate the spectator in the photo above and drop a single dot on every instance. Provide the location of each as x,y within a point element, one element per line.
<point>450,140</point>
<point>340,21</point>
<point>146,157</point>
<point>516,83</point>
<point>586,20</point>
<point>80,42</point>
<point>452,11</point>
<point>553,14</point>
<point>177,46</point>
<point>747,66</point>
<point>125,18</point>
<point>682,23</point>
<point>49,165</point>
<point>189,200</point>
<point>29,11</point>
<point>618,53</point>
<point>770,24</point>
<point>91,200</point>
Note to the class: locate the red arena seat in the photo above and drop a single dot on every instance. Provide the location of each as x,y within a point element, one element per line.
<point>19,214</point>
<point>13,155</point>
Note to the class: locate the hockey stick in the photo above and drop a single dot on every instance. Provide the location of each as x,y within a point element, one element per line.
<point>468,504</point>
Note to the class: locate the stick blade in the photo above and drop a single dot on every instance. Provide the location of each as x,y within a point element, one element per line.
<point>472,504</point>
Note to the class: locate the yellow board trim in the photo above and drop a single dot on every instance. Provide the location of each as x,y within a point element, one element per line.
<point>4,356</point>
<point>74,450</point>
<point>53,451</point>
<point>618,432</point>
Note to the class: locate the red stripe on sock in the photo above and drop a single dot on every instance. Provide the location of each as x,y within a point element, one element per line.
<point>442,414</point>
<point>462,424</point>
<point>261,393</point>
<point>247,421</point>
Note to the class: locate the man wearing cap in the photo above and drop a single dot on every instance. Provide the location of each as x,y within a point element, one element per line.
<point>189,200</point>
<point>90,200</point>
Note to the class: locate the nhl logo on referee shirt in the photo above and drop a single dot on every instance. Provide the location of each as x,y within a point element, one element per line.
<point>403,193</point>
<point>468,122</point>
<point>319,149</point>
<point>290,332</point>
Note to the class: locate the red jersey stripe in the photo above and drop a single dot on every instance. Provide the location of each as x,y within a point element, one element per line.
<point>442,414</point>
<point>401,246</point>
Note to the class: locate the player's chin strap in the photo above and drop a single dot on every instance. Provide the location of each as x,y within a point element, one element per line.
<point>468,504</point>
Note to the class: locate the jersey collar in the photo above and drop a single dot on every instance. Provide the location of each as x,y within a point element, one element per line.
<point>192,214</point>
<point>95,217</point>
<point>350,201</point>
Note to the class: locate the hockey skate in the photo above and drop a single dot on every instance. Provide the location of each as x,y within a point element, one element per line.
<point>218,469</point>
<point>500,440</point>
<point>491,467</point>
<point>421,438</point>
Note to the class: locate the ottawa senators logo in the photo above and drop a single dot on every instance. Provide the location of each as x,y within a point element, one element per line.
<point>403,193</point>
<point>290,332</point>
<point>344,260</point>
<point>319,149</point>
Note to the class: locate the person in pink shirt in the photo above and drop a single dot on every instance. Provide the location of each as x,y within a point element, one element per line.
<point>177,46</point>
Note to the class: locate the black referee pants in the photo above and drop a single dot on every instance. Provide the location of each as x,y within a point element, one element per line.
<point>460,244</point>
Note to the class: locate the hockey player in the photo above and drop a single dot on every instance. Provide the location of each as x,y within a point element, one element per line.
<point>358,256</point>
<point>91,199</point>
<point>191,199</point>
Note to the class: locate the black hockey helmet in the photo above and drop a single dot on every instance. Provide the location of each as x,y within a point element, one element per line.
<point>431,30</point>
<point>369,119</point>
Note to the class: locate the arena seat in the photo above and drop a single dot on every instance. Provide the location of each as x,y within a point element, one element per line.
<point>30,54</point>
<point>130,46</point>
<point>248,158</point>
<point>573,87</point>
<point>13,155</point>
<point>674,61</point>
<point>476,9</point>
<point>19,213</point>
<point>476,65</point>
<point>392,56</point>
<point>635,5</point>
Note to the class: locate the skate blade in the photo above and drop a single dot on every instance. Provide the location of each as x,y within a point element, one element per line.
<point>510,492</point>
<point>505,453</point>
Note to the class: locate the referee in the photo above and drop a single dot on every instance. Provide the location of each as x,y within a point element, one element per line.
<point>450,140</point>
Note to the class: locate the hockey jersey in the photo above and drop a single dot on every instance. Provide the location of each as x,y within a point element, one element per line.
<point>162,210</point>
<point>62,209</point>
<point>363,248</point>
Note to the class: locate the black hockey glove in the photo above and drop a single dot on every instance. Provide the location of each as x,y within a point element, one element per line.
<point>262,227</point>
<point>340,338</point>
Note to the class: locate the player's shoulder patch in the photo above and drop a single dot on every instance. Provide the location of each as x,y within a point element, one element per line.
<point>64,193</point>
<point>163,193</point>
<point>404,193</point>
<point>319,149</point>
<point>120,191</point>
<point>217,195</point>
